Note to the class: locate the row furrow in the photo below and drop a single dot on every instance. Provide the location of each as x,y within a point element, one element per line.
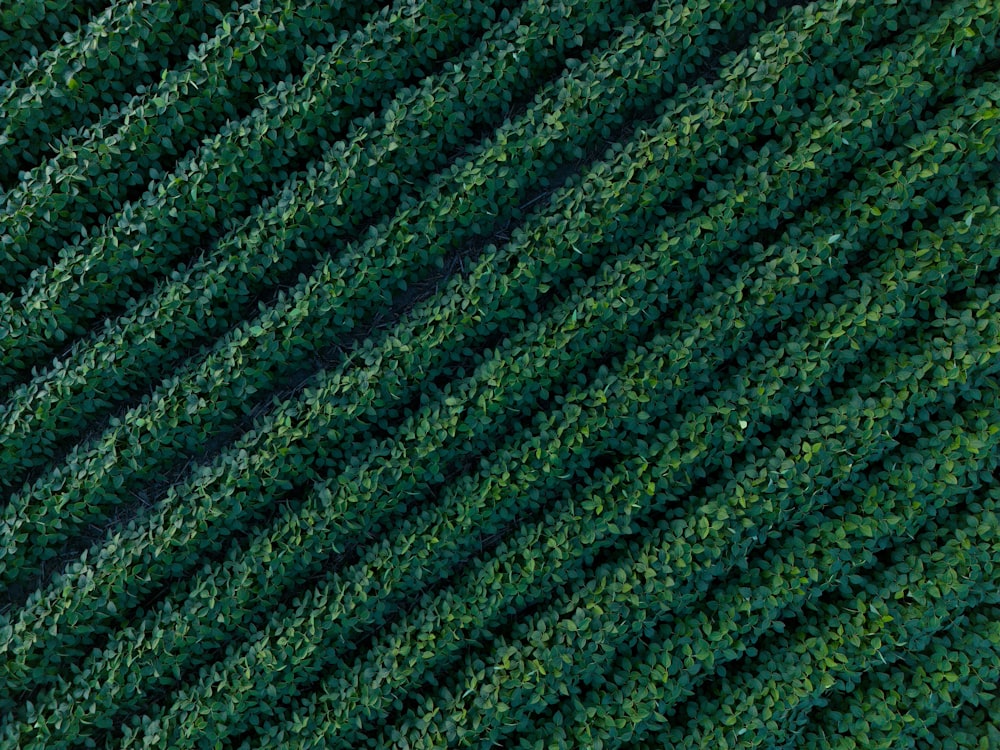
<point>212,397</point>
<point>219,186</point>
<point>586,616</point>
<point>256,52</point>
<point>127,46</point>
<point>883,508</point>
<point>181,316</point>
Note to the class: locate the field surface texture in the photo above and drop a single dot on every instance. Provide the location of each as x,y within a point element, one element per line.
<point>471,373</point>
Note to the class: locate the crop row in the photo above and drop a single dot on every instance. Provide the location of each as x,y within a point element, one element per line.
<point>709,441</point>
<point>766,503</point>
<point>217,185</point>
<point>27,27</point>
<point>286,220</point>
<point>212,374</point>
<point>589,308</point>
<point>520,457</point>
<point>899,608</point>
<point>300,538</point>
<point>883,508</point>
<point>126,46</point>
<point>233,169</point>
<point>215,399</point>
<point>298,535</point>
<point>102,164</point>
<point>64,631</point>
<point>528,665</point>
<point>894,706</point>
<point>102,456</point>
<point>146,241</point>
<point>213,295</point>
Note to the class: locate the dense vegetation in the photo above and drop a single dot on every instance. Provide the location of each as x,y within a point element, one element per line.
<point>461,373</point>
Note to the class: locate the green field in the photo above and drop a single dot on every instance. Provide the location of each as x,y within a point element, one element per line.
<point>466,373</point>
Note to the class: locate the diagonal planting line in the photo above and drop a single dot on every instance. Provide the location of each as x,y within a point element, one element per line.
<point>513,461</point>
<point>795,716</point>
<point>372,261</point>
<point>746,421</point>
<point>216,186</point>
<point>112,369</point>
<point>591,619</point>
<point>255,330</point>
<point>908,491</point>
<point>231,587</point>
<point>45,317</point>
<point>897,706</point>
<point>64,723</point>
<point>836,641</point>
<point>30,339</point>
<point>116,54</point>
<point>184,719</point>
<point>334,533</point>
<point>107,163</point>
<point>446,619</point>
<point>729,608</point>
